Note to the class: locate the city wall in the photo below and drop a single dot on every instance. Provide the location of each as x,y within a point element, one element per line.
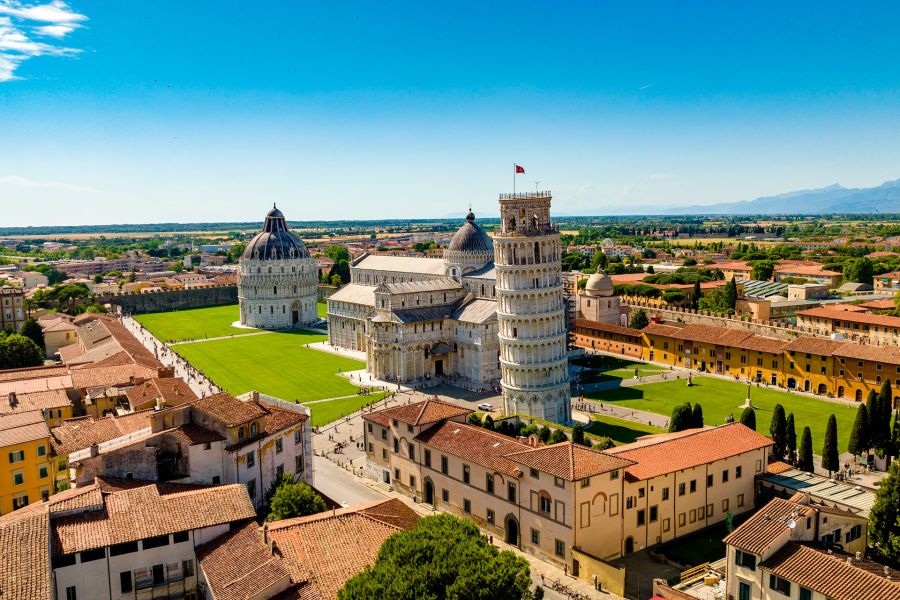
<point>137,302</point>
<point>686,315</point>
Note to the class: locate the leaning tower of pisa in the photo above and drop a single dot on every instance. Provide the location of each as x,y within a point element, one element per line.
<point>530,309</point>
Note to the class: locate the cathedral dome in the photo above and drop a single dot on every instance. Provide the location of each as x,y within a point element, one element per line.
<point>599,284</point>
<point>471,238</point>
<point>275,241</point>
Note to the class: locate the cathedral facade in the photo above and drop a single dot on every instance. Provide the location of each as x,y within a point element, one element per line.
<point>488,315</point>
<point>277,278</point>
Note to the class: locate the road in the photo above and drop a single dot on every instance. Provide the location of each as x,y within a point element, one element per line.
<point>339,485</point>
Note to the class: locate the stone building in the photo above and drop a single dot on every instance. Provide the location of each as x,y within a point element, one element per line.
<point>277,278</point>
<point>530,311</point>
<point>598,301</point>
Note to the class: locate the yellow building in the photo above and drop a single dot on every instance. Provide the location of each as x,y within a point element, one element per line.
<point>808,365</point>
<point>759,359</point>
<point>27,472</point>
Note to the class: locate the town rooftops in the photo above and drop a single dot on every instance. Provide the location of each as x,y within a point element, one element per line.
<point>401,264</point>
<point>661,329</point>
<point>476,444</point>
<point>710,334</point>
<point>766,526</point>
<point>813,345</point>
<point>228,409</point>
<point>824,312</point>
<point>171,390</point>
<point>418,413</point>
<point>569,461</point>
<point>25,544</point>
<point>150,510</point>
<point>656,455</point>
<point>855,499</point>
<point>883,354</point>
<point>355,293</point>
<point>40,400</point>
<point>22,427</point>
<point>608,327</point>
<point>837,576</point>
<point>76,434</point>
<point>758,343</point>
<point>421,286</point>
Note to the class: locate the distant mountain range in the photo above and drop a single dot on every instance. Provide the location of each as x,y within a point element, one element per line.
<point>832,199</point>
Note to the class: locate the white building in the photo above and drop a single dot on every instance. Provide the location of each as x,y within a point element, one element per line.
<point>277,279</point>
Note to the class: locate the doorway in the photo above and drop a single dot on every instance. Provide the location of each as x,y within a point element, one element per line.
<point>629,545</point>
<point>512,531</point>
<point>575,567</point>
<point>743,591</point>
<point>295,317</point>
<point>439,367</point>
<point>429,492</point>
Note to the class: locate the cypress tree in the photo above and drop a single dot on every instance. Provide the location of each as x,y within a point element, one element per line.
<point>731,293</point>
<point>578,434</point>
<point>805,456</point>
<point>697,415</point>
<point>791,438</point>
<point>895,434</point>
<point>682,418</point>
<point>748,418</point>
<point>695,301</point>
<point>872,412</point>
<point>830,460</point>
<point>778,431</point>
<point>882,431</point>
<point>859,437</point>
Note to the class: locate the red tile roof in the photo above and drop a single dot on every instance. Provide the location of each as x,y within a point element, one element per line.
<point>172,390</point>
<point>835,576</point>
<point>39,400</point>
<point>766,526</point>
<point>569,461</point>
<point>665,453</point>
<point>25,546</point>
<point>475,444</point>
<point>823,312</point>
<point>598,326</point>
<point>23,427</point>
<point>76,434</point>
<point>229,409</point>
<point>813,345</point>
<point>419,413</point>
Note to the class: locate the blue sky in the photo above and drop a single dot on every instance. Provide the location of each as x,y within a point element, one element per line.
<point>198,111</point>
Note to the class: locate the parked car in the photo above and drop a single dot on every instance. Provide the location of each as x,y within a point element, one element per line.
<point>486,407</point>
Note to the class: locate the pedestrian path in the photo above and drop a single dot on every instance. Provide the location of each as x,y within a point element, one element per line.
<point>221,337</point>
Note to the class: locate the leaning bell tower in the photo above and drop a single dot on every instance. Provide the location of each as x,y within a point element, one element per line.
<point>530,309</point>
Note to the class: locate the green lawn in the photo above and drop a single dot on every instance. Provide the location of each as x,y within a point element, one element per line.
<point>194,323</point>
<point>622,431</point>
<point>322,309</point>
<point>720,398</point>
<point>275,363</point>
<point>608,368</point>
<point>331,410</point>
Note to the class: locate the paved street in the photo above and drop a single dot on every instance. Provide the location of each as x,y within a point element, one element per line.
<point>339,485</point>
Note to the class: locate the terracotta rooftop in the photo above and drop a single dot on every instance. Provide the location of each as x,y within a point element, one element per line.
<point>813,345</point>
<point>569,461</point>
<point>597,325</point>
<point>23,427</point>
<point>823,312</point>
<point>329,548</point>
<point>229,409</point>
<point>805,270</point>
<point>710,334</point>
<point>766,526</point>
<point>15,402</point>
<point>275,420</point>
<point>883,354</point>
<point>76,434</point>
<point>141,512</point>
<point>172,390</point>
<point>420,413</point>
<point>92,376</point>
<point>665,453</point>
<point>475,444</point>
<point>661,329</point>
<point>758,343</point>
<point>840,577</point>
<point>25,545</point>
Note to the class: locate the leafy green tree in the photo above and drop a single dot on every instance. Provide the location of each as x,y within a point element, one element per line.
<point>805,454</point>
<point>558,436</point>
<point>544,434</point>
<point>578,435</point>
<point>294,500</point>
<point>488,422</point>
<point>762,270</point>
<point>474,419</point>
<point>697,416</point>
<point>444,557</point>
<point>337,253</point>
<point>830,460</point>
<point>895,434</point>
<point>859,436</point>
<point>791,438</point>
<point>884,532</point>
<point>32,330</point>
<point>695,297</point>
<point>731,294</point>
<point>283,479</point>
<point>778,431</point>
<point>638,319</point>
<point>859,270</point>
<point>882,432</point>
<point>18,352</point>
<point>748,418</point>
<point>682,418</point>
<point>604,443</point>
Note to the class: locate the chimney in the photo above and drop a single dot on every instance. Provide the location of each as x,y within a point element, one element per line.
<point>13,400</point>
<point>95,449</point>
<point>254,395</point>
<point>858,555</point>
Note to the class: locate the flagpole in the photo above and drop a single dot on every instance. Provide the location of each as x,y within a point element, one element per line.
<point>514,179</point>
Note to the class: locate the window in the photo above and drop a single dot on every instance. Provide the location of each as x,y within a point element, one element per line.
<point>445,495</point>
<point>156,541</point>
<point>412,481</point>
<point>725,476</point>
<point>91,555</point>
<point>384,453</point>
<point>42,450</point>
<point>585,482</point>
<point>535,536</point>
<point>782,586</point>
<point>511,491</point>
<point>641,518</point>
<point>535,473</point>
<point>279,470</point>
<point>629,502</point>
<point>18,478</point>
<point>444,468</point>
<point>681,489</point>
<point>489,483</point>
<point>298,436</point>
<point>467,506</point>
<point>159,576</point>
<point>490,516</point>
<point>693,515</point>
<point>427,458</point>
<point>560,548</point>
<point>740,500</point>
<point>654,514</point>
<point>681,520</point>
<point>251,459</point>
<point>411,448</point>
<point>251,489</point>
<point>180,536</point>
<point>737,472</point>
<point>70,593</point>
<point>466,473</point>
<point>123,548</point>
<point>709,511</point>
<point>640,492</point>
<point>854,533</point>
<point>396,446</point>
<point>709,481</point>
<point>693,485</point>
<point>298,463</point>
<point>409,428</point>
<point>126,583</point>
<point>665,493</point>
<point>745,560</point>
<point>725,505</point>
<point>614,475</point>
<point>279,446</point>
<point>805,594</point>
<point>63,560</point>
<point>666,524</point>
<point>187,567</point>
<point>384,434</point>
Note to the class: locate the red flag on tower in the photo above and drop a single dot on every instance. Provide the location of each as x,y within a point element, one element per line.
<point>520,170</point>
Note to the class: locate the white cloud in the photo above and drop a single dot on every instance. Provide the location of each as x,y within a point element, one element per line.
<point>25,183</point>
<point>18,21</point>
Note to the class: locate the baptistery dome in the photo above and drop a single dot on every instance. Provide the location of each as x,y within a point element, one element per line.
<point>471,238</point>
<point>275,241</point>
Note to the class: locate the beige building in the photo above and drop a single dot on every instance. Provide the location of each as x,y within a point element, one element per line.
<point>798,549</point>
<point>13,312</point>
<point>59,331</point>
<point>567,503</point>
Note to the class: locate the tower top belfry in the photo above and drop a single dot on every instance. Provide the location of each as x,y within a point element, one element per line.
<point>525,214</point>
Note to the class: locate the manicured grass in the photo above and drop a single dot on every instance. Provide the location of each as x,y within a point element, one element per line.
<point>194,323</point>
<point>720,398</point>
<point>608,368</point>
<point>277,364</point>
<point>322,309</point>
<point>621,431</point>
<point>331,410</point>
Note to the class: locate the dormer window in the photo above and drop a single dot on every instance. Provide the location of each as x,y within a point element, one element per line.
<point>242,433</point>
<point>254,428</point>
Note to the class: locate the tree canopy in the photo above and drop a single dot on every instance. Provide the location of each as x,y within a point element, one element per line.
<point>18,352</point>
<point>830,459</point>
<point>805,454</point>
<point>859,436</point>
<point>791,437</point>
<point>32,330</point>
<point>748,418</point>
<point>638,319</point>
<point>682,418</point>
<point>294,500</point>
<point>778,431</point>
<point>859,270</point>
<point>443,557</point>
<point>885,514</point>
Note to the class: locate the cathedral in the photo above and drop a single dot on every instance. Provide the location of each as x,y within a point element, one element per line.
<point>488,314</point>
